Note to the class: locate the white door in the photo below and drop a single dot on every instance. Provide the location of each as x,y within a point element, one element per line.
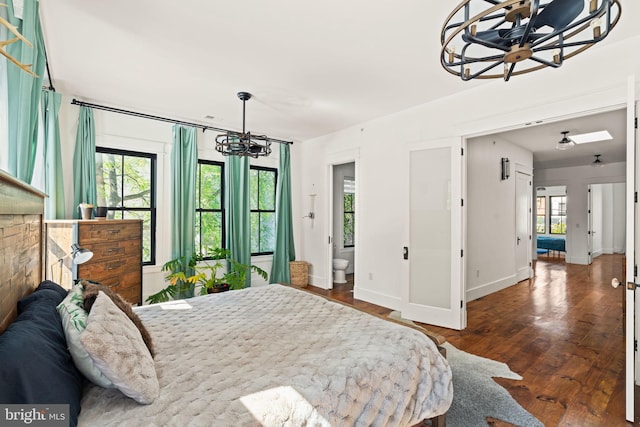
<point>523,226</point>
<point>633,227</point>
<point>433,279</point>
<point>589,225</point>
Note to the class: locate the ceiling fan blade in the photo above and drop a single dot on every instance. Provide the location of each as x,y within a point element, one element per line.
<point>493,37</point>
<point>558,13</point>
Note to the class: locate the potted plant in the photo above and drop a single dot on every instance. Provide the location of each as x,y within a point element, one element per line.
<point>186,273</point>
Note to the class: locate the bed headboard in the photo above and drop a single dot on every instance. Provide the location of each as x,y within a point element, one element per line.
<point>21,244</point>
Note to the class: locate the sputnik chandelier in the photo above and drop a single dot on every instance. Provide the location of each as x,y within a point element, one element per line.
<point>488,39</point>
<point>243,143</point>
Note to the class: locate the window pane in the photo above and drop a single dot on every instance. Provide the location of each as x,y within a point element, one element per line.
<point>558,214</point>
<point>137,182</point>
<point>267,231</point>
<point>254,194</point>
<point>208,231</point>
<point>540,224</point>
<point>255,232</point>
<point>145,216</point>
<point>348,229</point>
<point>267,191</point>
<point>209,192</point>
<point>108,183</point>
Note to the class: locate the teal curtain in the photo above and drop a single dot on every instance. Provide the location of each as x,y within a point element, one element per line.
<point>54,186</point>
<point>238,210</point>
<point>24,91</point>
<point>284,249</point>
<point>184,163</point>
<point>84,161</point>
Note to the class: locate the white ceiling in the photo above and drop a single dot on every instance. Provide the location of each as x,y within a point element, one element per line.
<point>313,67</point>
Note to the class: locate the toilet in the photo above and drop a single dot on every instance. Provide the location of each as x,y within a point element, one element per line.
<point>339,267</point>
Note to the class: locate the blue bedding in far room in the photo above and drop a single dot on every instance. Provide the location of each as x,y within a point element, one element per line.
<point>551,243</point>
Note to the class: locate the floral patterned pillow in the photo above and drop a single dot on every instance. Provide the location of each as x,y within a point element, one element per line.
<point>74,322</point>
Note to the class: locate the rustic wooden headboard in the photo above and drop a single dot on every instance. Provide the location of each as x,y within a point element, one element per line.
<point>21,244</point>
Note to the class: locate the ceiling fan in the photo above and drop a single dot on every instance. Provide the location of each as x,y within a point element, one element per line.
<point>511,31</point>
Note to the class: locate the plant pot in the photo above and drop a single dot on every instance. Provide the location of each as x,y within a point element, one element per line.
<point>184,291</point>
<point>221,288</point>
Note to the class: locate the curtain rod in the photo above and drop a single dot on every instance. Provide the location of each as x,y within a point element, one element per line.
<point>161,119</point>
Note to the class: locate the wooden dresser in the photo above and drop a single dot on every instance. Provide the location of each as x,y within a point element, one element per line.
<point>117,254</point>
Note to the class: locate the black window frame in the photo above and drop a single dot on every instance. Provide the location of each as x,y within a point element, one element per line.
<point>153,191</point>
<point>346,212</point>
<point>200,210</point>
<point>544,221</point>
<point>563,215</point>
<point>259,211</point>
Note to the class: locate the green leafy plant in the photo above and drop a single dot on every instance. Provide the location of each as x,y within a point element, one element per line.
<point>187,272</point>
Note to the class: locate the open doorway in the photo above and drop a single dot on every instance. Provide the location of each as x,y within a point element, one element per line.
<point>551,222</point>
<point>344,215</point>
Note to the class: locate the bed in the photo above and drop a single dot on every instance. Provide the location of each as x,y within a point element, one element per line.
<point>549,243</point>
<point>271,355</point>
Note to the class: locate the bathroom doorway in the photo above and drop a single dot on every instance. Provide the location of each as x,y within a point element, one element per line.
<point>344,224</point>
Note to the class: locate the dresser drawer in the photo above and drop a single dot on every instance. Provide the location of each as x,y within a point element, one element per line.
<point>127,285</point>
<point>101,270</point>
<point>108,231</point>
<point>116,249</point>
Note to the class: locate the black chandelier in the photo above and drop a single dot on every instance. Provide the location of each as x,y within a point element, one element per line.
<point>243,143</point>
<point>521,35</point>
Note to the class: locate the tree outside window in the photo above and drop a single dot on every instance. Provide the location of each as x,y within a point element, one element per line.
<point>262,194</point>
<point>125,182</point>
<point>541,214</point>
<point>349,211</point>
<point>558,214</point>
<point>209,232</point>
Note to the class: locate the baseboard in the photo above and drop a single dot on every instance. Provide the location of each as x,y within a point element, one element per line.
<point>577,260</point>
<point>373,297</point>
<point>489,288</point>
<point>319,282</point>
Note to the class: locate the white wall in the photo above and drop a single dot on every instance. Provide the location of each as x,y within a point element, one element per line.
<point>578,87</point>
<point>491,214</point>
<point>137,134</point>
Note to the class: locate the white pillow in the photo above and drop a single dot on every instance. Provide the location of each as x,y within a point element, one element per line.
<point>74,321</point>
<point>118,350</point>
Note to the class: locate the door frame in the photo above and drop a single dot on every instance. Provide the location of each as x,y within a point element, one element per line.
<point>340,158</point>
<point>520,169</point>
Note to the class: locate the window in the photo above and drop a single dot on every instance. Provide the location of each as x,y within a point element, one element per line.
<point>558,214</point>
<point>126,184</point>
<point>541,214</point>
<point>349,215</point>
<point>262,193</point>
<point>209,231</point>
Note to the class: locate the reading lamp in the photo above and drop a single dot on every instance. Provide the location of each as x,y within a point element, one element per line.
<point>78,256</point>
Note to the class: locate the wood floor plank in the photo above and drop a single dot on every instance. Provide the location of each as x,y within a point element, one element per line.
<point>562,331</point>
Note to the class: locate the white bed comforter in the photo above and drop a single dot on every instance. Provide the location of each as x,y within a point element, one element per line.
<point>277,356</point>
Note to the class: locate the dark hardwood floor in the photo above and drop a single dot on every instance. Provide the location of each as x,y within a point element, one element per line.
<point>562,331</point>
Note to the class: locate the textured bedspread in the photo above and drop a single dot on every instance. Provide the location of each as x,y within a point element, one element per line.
<point>277,356</point>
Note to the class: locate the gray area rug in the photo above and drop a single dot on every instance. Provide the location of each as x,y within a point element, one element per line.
<point>476,395</point>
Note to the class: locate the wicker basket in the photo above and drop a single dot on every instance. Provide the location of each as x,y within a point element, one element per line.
<point>299,271</point>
